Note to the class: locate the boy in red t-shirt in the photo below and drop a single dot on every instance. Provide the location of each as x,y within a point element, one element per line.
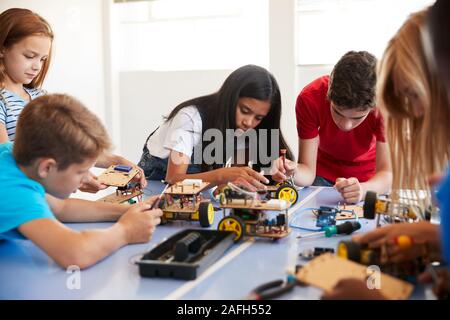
<point>341,132</point>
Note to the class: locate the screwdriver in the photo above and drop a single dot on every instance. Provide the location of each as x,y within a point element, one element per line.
<point>283,157</point>
<point>347,227</point>
<point>156,202</point>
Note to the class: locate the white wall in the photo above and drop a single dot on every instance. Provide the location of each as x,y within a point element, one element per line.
<point>147,96</point>
<point>308,73</point>
<point>282,50</point>
<point>77,67</point>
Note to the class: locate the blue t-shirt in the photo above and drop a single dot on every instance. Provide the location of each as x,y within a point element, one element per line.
<point>11,105</point>
<point>22,199</point>
<point>443,196</point>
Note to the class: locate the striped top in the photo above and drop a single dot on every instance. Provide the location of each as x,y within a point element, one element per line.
<point>11,105</point>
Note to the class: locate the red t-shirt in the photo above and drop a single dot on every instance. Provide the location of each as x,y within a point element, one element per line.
<point>340,154</point>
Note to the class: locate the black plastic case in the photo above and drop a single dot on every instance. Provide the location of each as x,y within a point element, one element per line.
<point>159,261</point>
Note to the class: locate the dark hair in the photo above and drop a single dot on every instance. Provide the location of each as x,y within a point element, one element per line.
<point>218,110</point>
<point>353,81</point>
<point>439,26</point>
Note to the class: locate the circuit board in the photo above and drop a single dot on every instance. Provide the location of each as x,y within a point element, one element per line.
<point>120,198</point>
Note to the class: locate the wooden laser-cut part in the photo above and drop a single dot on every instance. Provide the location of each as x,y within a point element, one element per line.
<point>349,215</point>
<point>181,189</point>
<point>116,178</point>
<point>184,201</point>
<point>326,270</point>
<point>256,204</point>
<point>120,198</point>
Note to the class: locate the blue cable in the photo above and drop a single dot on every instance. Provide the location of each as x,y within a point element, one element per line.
<point>292,225</point>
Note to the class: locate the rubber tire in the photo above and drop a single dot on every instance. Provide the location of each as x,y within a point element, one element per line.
<point>203,214</point>
<point>369,205</point>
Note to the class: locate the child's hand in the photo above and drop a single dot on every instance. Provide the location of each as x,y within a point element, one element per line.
<point>350,189</point>
<point>242,183</point>
<point>282,169</point>
<point>90,183</point>
<point>151,200</point>
<point>139,222</point>
<point>420,232</point>
<point>107,159</point>
<point>140,177</point>
<point>352,289</point>
<point>442,286</point>
<point>241,174</point>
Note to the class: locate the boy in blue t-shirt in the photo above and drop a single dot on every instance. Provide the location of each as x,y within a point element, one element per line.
<point>57,141</point>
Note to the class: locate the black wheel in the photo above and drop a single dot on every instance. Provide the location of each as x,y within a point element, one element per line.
<point>206,214</point>
<point>369,205</point>
<point>349,250</point>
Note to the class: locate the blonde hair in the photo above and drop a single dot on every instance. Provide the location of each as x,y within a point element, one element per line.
<point>420,146</point>
<point>60,127</point>
<point>17,24</point>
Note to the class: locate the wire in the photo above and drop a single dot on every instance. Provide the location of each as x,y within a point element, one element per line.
<point>296,226</point>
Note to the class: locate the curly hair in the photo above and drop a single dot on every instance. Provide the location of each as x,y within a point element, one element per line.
<point>353,81</point>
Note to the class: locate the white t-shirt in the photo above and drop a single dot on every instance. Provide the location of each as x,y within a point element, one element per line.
<point>181,133</point>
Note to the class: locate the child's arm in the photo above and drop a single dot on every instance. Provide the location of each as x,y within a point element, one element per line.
<point>178,164</point>
<point>90,183</point>
<point>84,248</point>
<point>354,191</point>
<point>78,210</point>
<point>381,182</point>
<point>3,134</point>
